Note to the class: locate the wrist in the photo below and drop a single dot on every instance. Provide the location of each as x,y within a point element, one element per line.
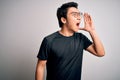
<point>92,31</point>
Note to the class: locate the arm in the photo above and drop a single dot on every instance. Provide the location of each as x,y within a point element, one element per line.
<point>40,69</point>
<point>97,47</point>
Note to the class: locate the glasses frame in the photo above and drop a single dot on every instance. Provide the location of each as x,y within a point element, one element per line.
<point>77,14</point>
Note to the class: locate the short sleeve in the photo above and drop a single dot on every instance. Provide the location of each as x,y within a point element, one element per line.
<point>44,50</point>
<point>87,42</point>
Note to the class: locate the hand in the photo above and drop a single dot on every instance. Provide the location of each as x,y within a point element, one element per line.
<point>88,23</point>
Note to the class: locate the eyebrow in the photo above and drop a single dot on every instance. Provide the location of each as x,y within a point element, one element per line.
<point>75,12</point>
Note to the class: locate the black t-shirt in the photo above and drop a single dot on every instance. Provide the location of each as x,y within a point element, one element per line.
<point>63,55</point>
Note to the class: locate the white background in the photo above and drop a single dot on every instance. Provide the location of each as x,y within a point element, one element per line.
<point>24,23</point>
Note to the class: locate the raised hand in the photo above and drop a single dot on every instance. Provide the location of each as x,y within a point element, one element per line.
<point>88,23</point>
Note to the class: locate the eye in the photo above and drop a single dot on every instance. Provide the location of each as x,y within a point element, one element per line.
<point>75,14</point>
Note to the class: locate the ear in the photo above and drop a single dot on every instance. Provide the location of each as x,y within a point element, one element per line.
<point>63,20</point>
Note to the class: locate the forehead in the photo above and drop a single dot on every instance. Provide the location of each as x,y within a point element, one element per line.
<point>72,9</point>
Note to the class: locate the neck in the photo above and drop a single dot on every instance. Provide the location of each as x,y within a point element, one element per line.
<point>66,32</point>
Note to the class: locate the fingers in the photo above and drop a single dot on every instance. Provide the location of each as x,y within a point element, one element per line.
<point>87,17</point>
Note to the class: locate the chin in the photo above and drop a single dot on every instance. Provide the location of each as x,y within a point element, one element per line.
<point>76,30</point>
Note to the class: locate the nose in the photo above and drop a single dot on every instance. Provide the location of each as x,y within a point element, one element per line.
<point>79,17</point>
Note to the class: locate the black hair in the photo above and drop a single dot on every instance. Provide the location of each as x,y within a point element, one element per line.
<point>62,11</point>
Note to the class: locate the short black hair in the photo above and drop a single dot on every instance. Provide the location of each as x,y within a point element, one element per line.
<point>62,11</point>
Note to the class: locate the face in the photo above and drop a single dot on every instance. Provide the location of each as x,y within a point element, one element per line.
<point>73,19</point>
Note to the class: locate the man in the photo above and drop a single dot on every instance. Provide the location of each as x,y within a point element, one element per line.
<point>62,51</point>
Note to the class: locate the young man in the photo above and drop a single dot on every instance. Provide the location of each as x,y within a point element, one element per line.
<point>62,51</point>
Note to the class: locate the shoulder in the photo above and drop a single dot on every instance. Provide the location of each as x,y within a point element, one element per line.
<point>80,35</point>
<point>51,37</point>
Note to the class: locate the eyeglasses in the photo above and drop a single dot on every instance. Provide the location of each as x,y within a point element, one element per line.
<point>77,14</point>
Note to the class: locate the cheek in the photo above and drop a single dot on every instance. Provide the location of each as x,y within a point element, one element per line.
<point>71,21</point>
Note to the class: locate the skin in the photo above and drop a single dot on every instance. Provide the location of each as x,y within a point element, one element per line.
<point>69,27</point>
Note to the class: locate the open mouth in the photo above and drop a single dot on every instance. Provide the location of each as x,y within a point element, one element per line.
<point>78,24</point>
